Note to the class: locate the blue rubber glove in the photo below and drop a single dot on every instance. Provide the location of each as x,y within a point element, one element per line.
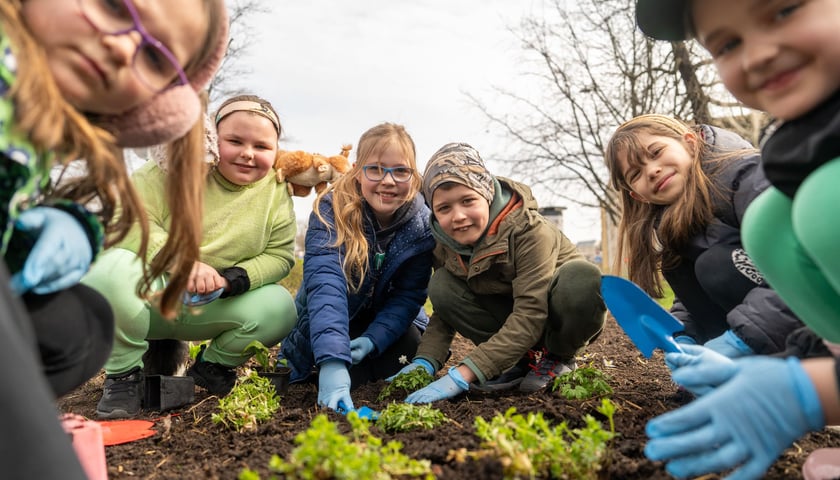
<point>415,364</point>
<point>699,369</point>
<point>445,387</point>
<point>61,254</point>
<point>729,345</point>
<point>360,348</point>
<point>685,340</point>
<point>197,299</point>
<point>745,423</point>
<point>334,385</point>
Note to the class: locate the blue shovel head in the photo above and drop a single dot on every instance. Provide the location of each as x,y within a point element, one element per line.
<point>647,324</point>
<point>363,412</point>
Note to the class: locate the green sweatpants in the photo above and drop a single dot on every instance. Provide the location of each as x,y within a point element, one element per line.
<point>794,244</point>
<point>266,314</point>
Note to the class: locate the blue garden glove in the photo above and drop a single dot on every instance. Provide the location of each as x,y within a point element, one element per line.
<point>415,364</point>
<point>197,299</point>
<point>445,387</point>
<point>334,385</point>
<point>699,369</point>
<point>729,345</point>
<point>685,340</point>
<point>360,348</point>
<point>61,254</point>
<point>745,423</point>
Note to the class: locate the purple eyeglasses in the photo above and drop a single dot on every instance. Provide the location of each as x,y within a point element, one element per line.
<point>154,64</point>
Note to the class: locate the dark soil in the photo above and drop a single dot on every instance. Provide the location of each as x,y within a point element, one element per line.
<point>194,447</point>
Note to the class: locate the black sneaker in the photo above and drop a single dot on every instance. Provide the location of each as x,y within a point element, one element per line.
<point>544,372</point>
<point>509,379</point>
<point>122,395</point>
<point>214,377</point>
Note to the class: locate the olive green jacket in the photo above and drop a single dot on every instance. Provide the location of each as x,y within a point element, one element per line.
<point>518,256</point>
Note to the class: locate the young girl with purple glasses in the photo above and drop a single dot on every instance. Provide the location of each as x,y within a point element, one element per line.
<point>81,79</point>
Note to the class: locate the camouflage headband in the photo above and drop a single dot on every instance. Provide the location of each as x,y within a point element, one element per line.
<point>459,163</point>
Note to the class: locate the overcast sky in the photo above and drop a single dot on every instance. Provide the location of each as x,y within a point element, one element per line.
<point>333,68</point>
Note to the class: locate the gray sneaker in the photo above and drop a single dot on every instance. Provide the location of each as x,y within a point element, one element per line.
<point>545,371</point>
<point>122,395</point>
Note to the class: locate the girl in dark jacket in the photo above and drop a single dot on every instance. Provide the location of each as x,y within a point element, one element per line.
<point>684,191</point>
<point>365,273</point>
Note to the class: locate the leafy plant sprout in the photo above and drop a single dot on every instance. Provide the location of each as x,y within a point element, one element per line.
<point>407,382</point>
<point>582,383</point>
<point>323,452</point>
<point>404,417</point>
<point>530,447</point>
<point>251,401</point>
<point>262,355</point>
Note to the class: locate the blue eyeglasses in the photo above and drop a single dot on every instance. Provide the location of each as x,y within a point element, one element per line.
<point>376,173</point>
<point>153,63</point>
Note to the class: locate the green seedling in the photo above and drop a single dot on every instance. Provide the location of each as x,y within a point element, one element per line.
<point>404,417</point>
<point>262,355</point>
<point>407,382</point>
<point>251,401</point>
<point>530,447</point>
<point>322,452</point>
<point>582,383</point>
<point>194,349</point>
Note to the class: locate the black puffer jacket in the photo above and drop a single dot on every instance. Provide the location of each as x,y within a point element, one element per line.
<point>762,320</point>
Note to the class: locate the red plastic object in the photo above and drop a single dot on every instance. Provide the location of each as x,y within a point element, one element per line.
<point>116,432</point>
<point>86,436</point>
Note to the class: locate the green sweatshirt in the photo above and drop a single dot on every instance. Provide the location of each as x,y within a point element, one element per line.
<point>252,226</point>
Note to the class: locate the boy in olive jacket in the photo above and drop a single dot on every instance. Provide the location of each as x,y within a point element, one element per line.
<point>505,278</point>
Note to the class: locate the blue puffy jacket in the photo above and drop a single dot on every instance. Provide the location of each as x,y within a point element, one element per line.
<point>395,292</point>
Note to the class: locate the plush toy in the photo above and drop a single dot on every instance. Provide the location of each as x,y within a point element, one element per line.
<point>302,171</point>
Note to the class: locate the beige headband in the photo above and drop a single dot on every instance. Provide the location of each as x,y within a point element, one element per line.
<point>248,106</point>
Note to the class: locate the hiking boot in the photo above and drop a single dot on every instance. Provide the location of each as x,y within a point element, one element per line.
<point>122,395</point>
<point>544,372</point>
<point>509,379</point>
<point>214,377</point>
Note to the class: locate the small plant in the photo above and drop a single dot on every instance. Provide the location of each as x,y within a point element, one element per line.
<point>251,401</point>
<point>262,355</point>
<point>194,349</point>
<point>322,452</point>
<point>582,383</point>
<point>404,417</point>
<point>407,382</point>
<point>529,447</point>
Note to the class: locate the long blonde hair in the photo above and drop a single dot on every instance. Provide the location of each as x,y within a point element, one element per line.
<point>348,207</point>
<point>651,235</point>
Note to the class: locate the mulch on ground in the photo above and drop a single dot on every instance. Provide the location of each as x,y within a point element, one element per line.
<point>189,445</point>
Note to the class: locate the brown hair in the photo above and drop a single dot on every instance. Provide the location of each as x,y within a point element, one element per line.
<point>651,235</point>
<point>184,191</point>
<point>348,208</point>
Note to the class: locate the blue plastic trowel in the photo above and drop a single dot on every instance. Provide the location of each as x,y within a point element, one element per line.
<point>363,412</point>
<point>647,324</point>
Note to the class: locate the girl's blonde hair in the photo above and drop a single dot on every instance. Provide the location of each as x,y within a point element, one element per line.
<point>651,235</point>
<point>52,124</point>
<point>348,207</point>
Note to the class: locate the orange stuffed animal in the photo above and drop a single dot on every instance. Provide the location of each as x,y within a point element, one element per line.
<point>303,171</point>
